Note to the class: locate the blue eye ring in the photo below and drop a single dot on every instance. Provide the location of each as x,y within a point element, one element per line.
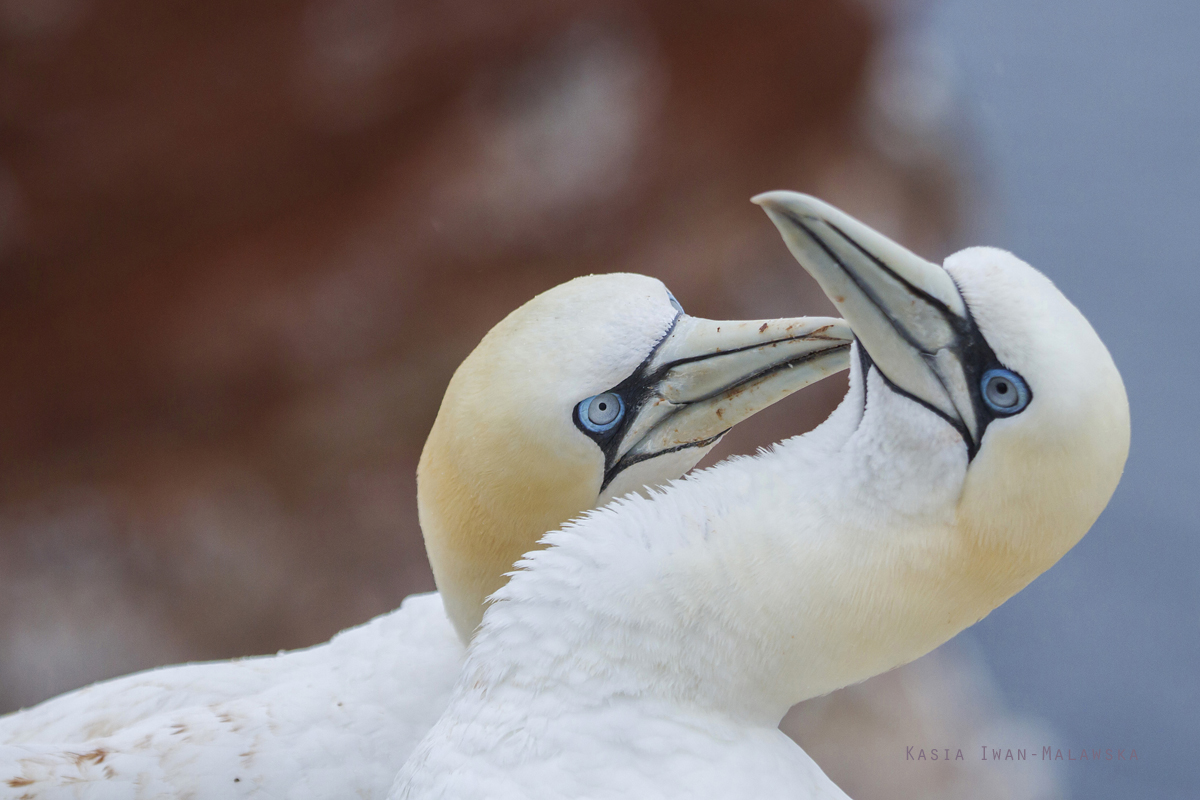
<point>1004,392</point>
<point>601,413</point>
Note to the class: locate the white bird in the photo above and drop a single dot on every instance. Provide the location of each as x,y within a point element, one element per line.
<point>652,649</point>
<point>592,389</point>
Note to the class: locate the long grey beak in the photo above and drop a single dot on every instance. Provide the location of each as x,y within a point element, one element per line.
<point>906,312</point>
<point>706,376</point>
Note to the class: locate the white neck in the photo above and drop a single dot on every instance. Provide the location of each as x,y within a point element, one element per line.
<point>758,583</point>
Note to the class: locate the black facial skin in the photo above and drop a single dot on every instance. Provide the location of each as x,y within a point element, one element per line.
<point>635,391</point>
<point>639,388</point>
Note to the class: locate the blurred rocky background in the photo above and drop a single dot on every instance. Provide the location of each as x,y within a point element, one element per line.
<point>244,246</point>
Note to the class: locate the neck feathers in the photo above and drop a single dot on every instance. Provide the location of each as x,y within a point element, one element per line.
<point>755,584</point>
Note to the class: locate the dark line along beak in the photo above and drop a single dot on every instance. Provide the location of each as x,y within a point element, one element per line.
<point>706,376</point>
<point>906,312</point>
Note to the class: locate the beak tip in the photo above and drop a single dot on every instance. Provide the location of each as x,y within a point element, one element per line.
<point>801,205</point>
<point>770,200</point>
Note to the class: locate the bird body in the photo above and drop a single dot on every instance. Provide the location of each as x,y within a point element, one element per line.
<point>653,648</point>
<point>660,631</point>
<point>599,386</point>
<point>627,747</point>
<point>333,720</point>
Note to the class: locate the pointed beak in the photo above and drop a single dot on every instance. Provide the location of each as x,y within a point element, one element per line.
<point>906,312</point>
<point>707,376</point>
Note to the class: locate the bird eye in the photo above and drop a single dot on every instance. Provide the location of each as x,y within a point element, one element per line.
<point>602,412</point>
<point>1004,392</point>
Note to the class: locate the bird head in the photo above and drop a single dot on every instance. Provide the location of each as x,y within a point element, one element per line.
<point>988,346</point>
<point>593,389</point>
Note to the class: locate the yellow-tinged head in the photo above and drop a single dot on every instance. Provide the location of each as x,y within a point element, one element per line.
<point>593,389</point>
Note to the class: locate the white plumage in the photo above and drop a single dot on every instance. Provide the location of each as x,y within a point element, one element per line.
<point>652,650</point>
<point>328,721</point>
<point>339,719</point>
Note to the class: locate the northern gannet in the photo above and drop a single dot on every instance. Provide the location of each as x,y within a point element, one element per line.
<point>652,649</point>
<point>590,390</point>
